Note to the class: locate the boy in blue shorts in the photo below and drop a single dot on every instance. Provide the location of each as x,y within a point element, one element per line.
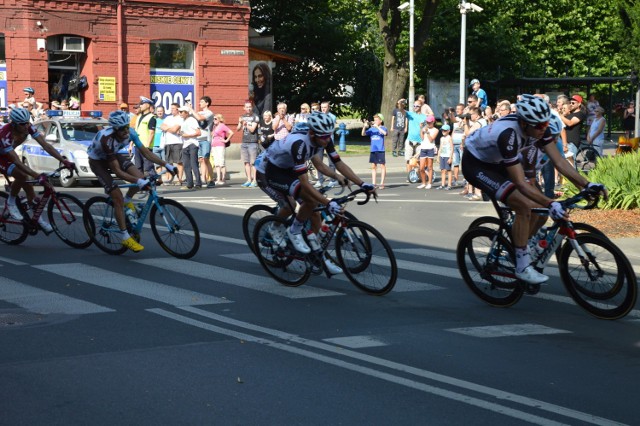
<point>376,131</point>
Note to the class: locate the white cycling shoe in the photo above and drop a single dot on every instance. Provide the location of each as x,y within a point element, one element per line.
<point>332,267</point>
<point>531,276</point>
<point>14,212</point>
<point>44,225</point>
<point>277,236</point>
<point>298,242</point>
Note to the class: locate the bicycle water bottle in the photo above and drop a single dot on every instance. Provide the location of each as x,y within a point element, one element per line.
<point>322,234</point>
<point>539,248</point>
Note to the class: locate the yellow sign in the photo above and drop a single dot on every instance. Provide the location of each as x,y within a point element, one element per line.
<point>107,89</point>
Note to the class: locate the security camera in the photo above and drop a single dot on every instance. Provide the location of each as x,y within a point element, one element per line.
<point>404,6</point>
<point>475,7</point>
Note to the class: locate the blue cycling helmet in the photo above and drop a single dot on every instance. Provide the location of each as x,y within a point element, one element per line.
<point>533,110</point>
<point>301,127</point>
<point>29,90</point>
<point>321,123</point>
<point>20,116</point>
<point>119,119</point>
<point>555,125</point>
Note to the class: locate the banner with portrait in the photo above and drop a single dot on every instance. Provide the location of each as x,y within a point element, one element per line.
<point>260,86</point>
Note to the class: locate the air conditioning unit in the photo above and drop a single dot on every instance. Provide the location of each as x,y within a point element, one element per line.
<point>72,44</point>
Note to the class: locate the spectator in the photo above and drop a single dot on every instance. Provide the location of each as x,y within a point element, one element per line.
<point>573,119</point>
<point>592,104</point>
<point>445,158</point>
<point>376,132</point>
<point>414,135</point>
<point>595,135</point>
<point>503,108</point>
<point>158,135</point>
<point>282,122</point>
<point>64,104</point>
<point>315,107</point>
<point>173,142</point>
<point>428,150</point>
<point>221,137</point>
<point>325,107</point>
<point>425,109</point>
<point>302,116</point>
<point>248,124</point>
<point>29,96</point>
<point>457,136</point>
<point>146,128</point>
<point>261,88</point>
<point>398,127</point>
<point>265,130</point>
<point>205,121</point>
<point>189,131</point>
<point>629,120</point>
<point>480,94</point>
<point>55,105</point>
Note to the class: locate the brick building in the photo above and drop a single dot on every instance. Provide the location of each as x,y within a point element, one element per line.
<point>169,50</point>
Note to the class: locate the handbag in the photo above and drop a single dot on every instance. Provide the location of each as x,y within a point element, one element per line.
<point>227,144</point>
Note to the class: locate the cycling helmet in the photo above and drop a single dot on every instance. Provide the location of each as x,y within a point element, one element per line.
<point>321,123</point>
<point>555,125</point>
<point>119,119</point>
<point>20,115</point>
<point>533,109</point>
<point>301,127</point>
<point>29,90</point>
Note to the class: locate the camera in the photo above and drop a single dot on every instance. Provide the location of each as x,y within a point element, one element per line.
<point>495,116</point>
<point>465,116</point>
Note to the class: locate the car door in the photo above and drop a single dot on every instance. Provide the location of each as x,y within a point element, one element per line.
<point>32,152</point>
<point>49,163</point>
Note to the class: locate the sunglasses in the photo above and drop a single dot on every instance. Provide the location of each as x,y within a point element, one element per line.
<point>324,137</point>
<point>416,106</point>
<point>573,102</point>
<point>120,129</point>
<point>539,126</point>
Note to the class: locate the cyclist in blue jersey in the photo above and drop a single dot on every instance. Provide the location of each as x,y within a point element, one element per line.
<point>108,153</point>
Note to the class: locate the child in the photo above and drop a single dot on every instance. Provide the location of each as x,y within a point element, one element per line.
<point>445,157</point>
<point>376,131</point>
<point>428,151</point>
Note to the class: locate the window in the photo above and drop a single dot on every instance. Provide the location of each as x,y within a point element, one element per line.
<point>168,54</point>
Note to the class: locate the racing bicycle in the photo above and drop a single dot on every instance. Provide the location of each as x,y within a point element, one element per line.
<point>64,212</point>
<point>172,225</point>
<point>595,272</point>
<point>360,250</point>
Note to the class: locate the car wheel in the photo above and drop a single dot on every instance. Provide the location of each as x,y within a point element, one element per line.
<point>66,180</point>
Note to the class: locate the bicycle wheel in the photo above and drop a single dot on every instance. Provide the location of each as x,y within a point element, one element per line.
<point>101,226</point>
<point>65,216</point>
<point>11,231</point>
<point>580,228</point>
<point>586,159</point>
<point>602,282</point>
<point>413,176</point>
<point>175,229</point>
<point>366,258</point>
<point>490,222</point>
<point>488,267</point>
<point>278,258</point>
<point>251,217</point>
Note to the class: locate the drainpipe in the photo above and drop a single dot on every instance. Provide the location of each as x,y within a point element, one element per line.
<point>120,78</point>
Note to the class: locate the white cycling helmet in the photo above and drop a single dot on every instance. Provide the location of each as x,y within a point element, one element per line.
<point>321,123</point>
<point>532,109</point>
<point>118,119</point>
<point>19,115</point>
<point>555,125</point>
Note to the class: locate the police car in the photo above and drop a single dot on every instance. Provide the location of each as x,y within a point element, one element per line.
<point>70,133</point>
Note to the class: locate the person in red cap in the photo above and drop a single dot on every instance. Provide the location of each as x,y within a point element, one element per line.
<point>573,120</point>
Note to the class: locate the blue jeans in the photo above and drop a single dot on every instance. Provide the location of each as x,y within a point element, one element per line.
<point>190,162</point>
<point>549,176</point>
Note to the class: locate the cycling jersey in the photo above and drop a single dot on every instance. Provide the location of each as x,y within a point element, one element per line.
<point>7,143</point>
<point>501,141</point>
<point>292,152</point>
<point>105,146</point>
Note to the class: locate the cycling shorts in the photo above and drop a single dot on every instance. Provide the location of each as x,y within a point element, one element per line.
<point>492,179</point>
<point>285,181</point>
<point>276,196</point>
<point>104,173</point>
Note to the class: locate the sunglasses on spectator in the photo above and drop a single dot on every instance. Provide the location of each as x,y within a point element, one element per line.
<point>539,126</point>
<point>416,106</point>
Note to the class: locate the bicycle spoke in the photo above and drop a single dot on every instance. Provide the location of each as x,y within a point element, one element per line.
<point>175,229</point>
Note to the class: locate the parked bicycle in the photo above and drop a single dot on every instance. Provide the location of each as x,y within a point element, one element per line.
<point>172,225</point>
<point>586,158</point>
<point>64,212</point>
<point>595,273</point>
<point>360,250</point>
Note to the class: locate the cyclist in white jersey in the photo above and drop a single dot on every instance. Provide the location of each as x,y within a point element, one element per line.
<point>108,154</point>
<point>491,162</point>
<point>286,172</point>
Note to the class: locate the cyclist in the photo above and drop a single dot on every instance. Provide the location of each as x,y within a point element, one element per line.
<point>108,153</point>
<point>491,163</point>
<point>12,135</point>
<point>286,172</point>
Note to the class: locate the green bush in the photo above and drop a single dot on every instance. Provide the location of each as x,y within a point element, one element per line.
<point>621,175</point>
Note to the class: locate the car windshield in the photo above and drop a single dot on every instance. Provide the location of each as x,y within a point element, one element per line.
<point>81,131</point>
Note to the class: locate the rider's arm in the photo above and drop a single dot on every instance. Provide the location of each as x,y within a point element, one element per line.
<point>13,157</point>
<point>516,175</point>
<point>48,148</point>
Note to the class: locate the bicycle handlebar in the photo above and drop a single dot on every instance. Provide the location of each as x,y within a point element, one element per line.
<point>591,196</point>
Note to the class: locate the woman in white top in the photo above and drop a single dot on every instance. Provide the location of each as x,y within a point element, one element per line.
<point>428,151</point>
<point>595,136</point>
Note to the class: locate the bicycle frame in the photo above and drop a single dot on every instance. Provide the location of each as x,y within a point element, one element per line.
<point>152,199</point>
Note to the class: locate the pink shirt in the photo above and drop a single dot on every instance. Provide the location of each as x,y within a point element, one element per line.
<point>220,133</point>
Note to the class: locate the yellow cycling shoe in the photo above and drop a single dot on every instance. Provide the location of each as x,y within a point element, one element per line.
<point>132,245</point>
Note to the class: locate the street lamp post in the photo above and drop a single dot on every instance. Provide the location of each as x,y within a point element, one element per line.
<point>464,8</point>
<point>403,7</point>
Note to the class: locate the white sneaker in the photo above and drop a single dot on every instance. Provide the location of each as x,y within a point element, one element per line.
<point>298,242</point>
<point>531,276</point>
<point>421,186</point>
<point>44,225</point>
<point>332,267</point>
<point>14,212</point>
<point>428,186</point>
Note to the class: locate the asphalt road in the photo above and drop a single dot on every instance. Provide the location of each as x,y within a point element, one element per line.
<point>88,338</point>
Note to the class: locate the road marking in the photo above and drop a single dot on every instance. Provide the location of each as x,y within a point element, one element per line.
<point>174,296</point>
<point>12,262</point>
<point>507,330</point>
<point>43,302</point>
<point>236,278</point>
<point>357,342</point>
<point>291,339</point>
